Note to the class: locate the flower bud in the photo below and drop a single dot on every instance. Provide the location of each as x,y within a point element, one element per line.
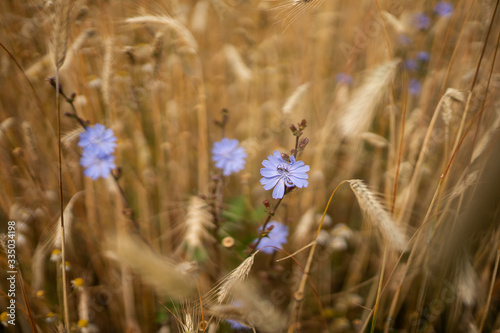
<point>302,125</point>
<point>266,204</point>
<point>303,143</point>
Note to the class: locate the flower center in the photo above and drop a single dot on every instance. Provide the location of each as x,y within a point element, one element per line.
<point>284,174</point>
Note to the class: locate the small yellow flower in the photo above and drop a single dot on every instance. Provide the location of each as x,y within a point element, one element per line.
<point>50,317</point>
<point>83,323</point>
<point>77,283</point>
<point>3,318</point>
<point>67,266</point>
<point>40,293</point>
<point>55,255</point>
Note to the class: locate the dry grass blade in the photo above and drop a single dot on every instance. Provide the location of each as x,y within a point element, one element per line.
<point>378,215</point>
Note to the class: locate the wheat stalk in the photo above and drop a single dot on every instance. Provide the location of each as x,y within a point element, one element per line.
<point>238,66</point>
<point>293,101</point>
<point>158,271</point>
<point>359,113</point>
<point>223,290</point>
<point>60,35</point>
<point>198,224</point>
<point>60,31</point>
<point>170,23</point>
<point>378,215</point>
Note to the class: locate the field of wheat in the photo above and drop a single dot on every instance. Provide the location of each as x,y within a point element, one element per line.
<point>249,166</point>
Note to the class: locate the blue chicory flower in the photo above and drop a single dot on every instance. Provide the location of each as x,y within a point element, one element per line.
<point>411,64</point>
<point>422,21</point>
<point>98,145</point>
<point>228,156</point>
<point>423,56</point>
<point>414,87</point>
<point>279,174</point>
<point>276,237</point>
<point>235,325</point>
<point>404,40</point>
<point>344,78</point>
<point>98,139</point>
<point>443,8</point>
<point>97,165</point>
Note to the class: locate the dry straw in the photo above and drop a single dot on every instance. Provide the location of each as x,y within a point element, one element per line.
<point>378,215</point>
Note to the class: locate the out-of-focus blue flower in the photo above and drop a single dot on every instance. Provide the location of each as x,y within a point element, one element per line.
<point>235,325</point>
<point>98,145</point>
<point>344,78</point>
<point>276,237</point>
<point>404,40</point>
<point>443,8</point>
<point>97,165</point>
<point>98,139</point>
<point>422,21</point>
<point>279,174</point>
<point>414,87</point>
<point>228,156</point>
<point>423,56</point>
<point>411,64</point>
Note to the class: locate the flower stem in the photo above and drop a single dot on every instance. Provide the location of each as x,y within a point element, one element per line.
<point>269,216</point>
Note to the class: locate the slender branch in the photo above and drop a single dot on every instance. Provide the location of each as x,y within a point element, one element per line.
<point>268,219</point>
<point>295,151</point>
